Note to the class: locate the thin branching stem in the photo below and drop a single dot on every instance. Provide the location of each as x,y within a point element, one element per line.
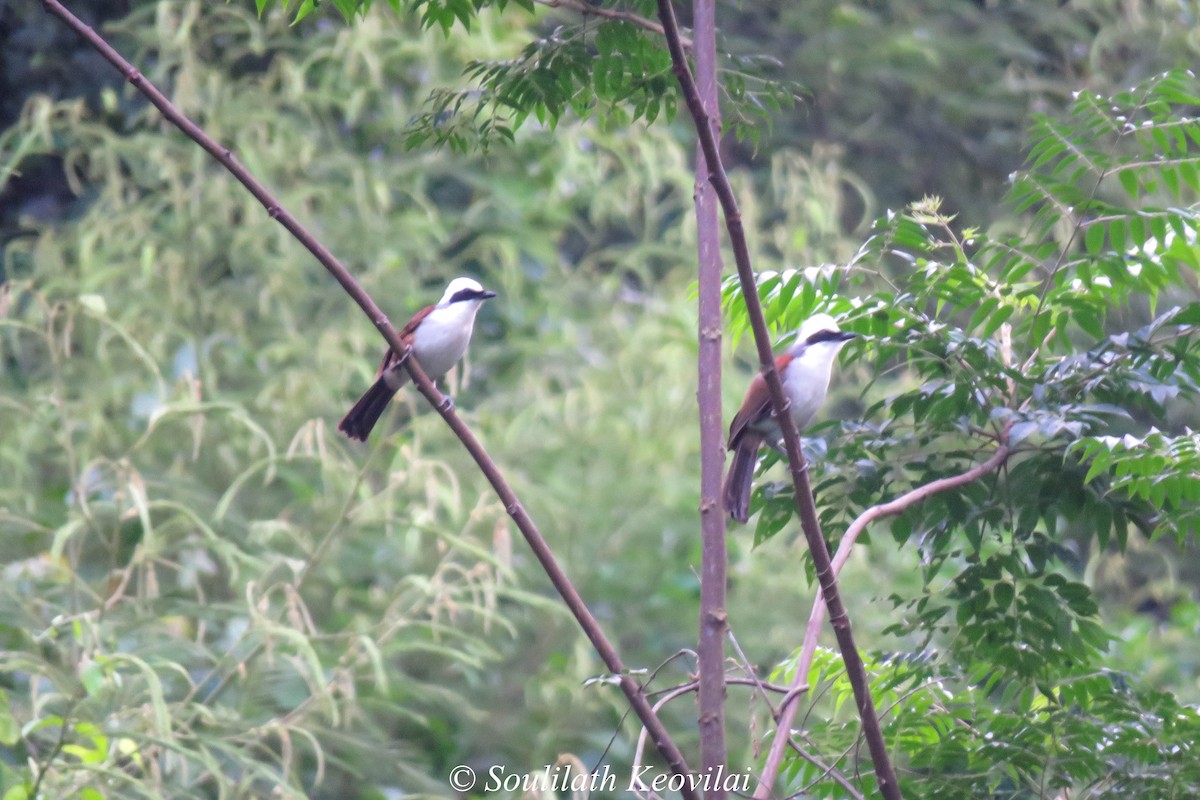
<point>827,771</point>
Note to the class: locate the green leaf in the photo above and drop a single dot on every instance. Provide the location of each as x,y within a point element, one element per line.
<point>305,8</point>
<point>1040,329</point>
<point>93,678</point>
<point>1116,234</point>
<point>1129,182</point>
<point>1094,238</point>
<point>10,730</point>
<point>1004,594</point>
<point>996,320</point>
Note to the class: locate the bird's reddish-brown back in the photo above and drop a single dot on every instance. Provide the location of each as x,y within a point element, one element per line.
<point>756,404</point>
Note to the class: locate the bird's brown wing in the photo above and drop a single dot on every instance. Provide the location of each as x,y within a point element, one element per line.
<point>756,405</point>
<point>406,333</point>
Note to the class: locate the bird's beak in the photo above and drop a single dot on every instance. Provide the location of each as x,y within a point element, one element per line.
<point>846,336</point>
<point>487,294</point>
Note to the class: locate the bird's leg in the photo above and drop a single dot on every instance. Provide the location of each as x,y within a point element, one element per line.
<point>779,447</point>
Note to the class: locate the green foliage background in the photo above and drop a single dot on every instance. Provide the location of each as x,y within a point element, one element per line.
<point>207,592</point>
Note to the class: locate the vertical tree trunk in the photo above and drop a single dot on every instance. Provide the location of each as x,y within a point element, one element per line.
<point>713,619</point>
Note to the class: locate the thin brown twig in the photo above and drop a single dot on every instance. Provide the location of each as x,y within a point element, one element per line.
<point>748,668</point>
<point>752,682</point>
<point>591,628</point>
<point>804,791</point>
<point>885,774</point>
<point>609,13</point>
<point>826,771</point>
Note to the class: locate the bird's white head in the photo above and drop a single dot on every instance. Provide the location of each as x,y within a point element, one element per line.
<point>816,322</point>
<point>464,290</point>
<point>820,338</point>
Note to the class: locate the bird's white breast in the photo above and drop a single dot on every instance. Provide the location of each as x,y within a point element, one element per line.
<point>806,381</point>
<point>441,338</point>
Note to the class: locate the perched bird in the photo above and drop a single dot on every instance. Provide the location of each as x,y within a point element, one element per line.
<point>804,371</point>
<point>438,336</point>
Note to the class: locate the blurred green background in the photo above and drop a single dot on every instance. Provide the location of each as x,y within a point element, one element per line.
<point>181,520</point>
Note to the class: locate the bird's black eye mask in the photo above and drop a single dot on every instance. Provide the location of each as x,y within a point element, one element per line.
<point>471,294</point>
<point>828,335</point>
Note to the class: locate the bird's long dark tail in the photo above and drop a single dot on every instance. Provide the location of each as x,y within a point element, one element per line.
<point>357,424</point>
<point>740,477</point>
